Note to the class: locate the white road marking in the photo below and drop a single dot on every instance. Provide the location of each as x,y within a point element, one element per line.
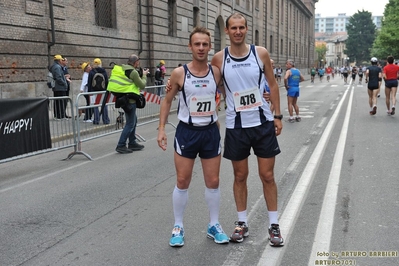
<point>326,219</point>
<point>270,255</point>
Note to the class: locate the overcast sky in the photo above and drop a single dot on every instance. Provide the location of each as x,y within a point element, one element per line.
<point>328,8</point>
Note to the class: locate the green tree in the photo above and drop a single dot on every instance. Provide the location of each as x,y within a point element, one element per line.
<point>361,35</point>
<point>321,50</point>
<point>386,42</point>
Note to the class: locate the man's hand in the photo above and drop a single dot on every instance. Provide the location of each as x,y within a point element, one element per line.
<point>278,125</point>
<point>168,87</point>
<point>266,95</point>
<point>162,138</point>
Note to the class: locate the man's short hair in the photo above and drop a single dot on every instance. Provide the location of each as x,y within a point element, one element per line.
<point>291,62</point>
<point>390,59</point>
<point>200,30</point>
<point>236,15</point>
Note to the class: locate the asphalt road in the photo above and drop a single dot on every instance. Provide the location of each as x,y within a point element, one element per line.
<point>338,200</point>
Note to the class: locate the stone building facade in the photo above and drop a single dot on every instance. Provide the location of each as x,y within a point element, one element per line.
<point>33,31</point>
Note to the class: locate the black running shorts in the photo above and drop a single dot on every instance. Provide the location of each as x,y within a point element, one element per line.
<point>262,139</point>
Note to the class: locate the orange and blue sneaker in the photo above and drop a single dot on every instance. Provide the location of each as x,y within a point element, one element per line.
<point>177,239</point>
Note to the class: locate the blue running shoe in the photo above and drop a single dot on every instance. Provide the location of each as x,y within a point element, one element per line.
<point>216,232</point>
<point>177,239</point>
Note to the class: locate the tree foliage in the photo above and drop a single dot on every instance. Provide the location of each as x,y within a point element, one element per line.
<point>361,35</point>
<point>386,42</point>
<point>321,50</point>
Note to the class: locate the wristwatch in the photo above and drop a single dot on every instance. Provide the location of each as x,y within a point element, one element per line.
<point>278,117</point>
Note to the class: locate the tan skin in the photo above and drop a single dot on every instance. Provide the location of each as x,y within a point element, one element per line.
<point>200,46</point>
<point>237,32</point>
<point>292,101</point>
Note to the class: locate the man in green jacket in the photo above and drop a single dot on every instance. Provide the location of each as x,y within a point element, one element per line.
<point>125,80</point>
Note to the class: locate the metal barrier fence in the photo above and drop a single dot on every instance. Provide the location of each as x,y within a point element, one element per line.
<point>90,125</point>
<point>71,129</point>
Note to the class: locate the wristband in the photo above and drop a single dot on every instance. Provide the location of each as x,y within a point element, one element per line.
<point>161,126</point>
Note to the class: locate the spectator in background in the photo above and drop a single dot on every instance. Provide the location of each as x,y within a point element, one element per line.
<point>60,88</point>
<point>64,67</point>
<point>98,81</point>
<point>125,80</point>
<point>279,72</point>
<point>86,67</point>
<point>160,76</point>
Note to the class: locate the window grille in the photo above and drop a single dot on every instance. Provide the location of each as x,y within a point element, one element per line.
<point>105,14</point>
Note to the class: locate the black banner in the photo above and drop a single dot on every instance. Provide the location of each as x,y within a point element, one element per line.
<point>24,126</point>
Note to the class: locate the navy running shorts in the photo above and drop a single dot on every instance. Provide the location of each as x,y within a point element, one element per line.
<point>389,83</point>
<point>262,139</point>
<point>191,141</point>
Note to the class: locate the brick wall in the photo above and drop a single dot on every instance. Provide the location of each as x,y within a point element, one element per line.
<point>25,35</point>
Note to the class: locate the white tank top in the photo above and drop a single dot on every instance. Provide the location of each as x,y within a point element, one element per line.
<point>197,105</point>
<point>244,83</point>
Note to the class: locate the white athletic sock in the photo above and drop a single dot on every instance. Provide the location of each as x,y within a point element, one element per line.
<point>242,216</point>
<point>212,198</point>
<point>180,199</point>
<point>273,217</point>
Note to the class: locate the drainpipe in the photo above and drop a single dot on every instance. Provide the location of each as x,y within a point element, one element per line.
<point>150,38</point>
<point>141,29</point>
<point>52,42</point>
<point>52,24</point>
<point>206,13</point>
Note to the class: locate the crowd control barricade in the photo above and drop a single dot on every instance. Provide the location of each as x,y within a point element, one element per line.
<point>64,125</point>
<point>112,119</point>
<point>34,129</point>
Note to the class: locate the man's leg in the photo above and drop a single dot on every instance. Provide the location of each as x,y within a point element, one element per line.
<point>295,105</point>
<point>211,168</point>
<point>240,184</point>
<point>184,168</point>
<point>290,101</point>
<point>266,174</point>
<point>393,93</point>
<point>387,99</point>
<point>371,104</point>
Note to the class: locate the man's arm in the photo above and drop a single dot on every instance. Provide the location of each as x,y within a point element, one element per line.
<point>287,75</point>
<point>176,82</point>
<point>217,62</point>
<point>140,82</point>
<point>274,90</point>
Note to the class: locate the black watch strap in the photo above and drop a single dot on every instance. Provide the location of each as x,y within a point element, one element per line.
<point>278,117</point>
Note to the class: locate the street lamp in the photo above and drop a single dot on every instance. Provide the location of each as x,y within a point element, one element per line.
<point>347,60</point>
<point>321,63</point>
